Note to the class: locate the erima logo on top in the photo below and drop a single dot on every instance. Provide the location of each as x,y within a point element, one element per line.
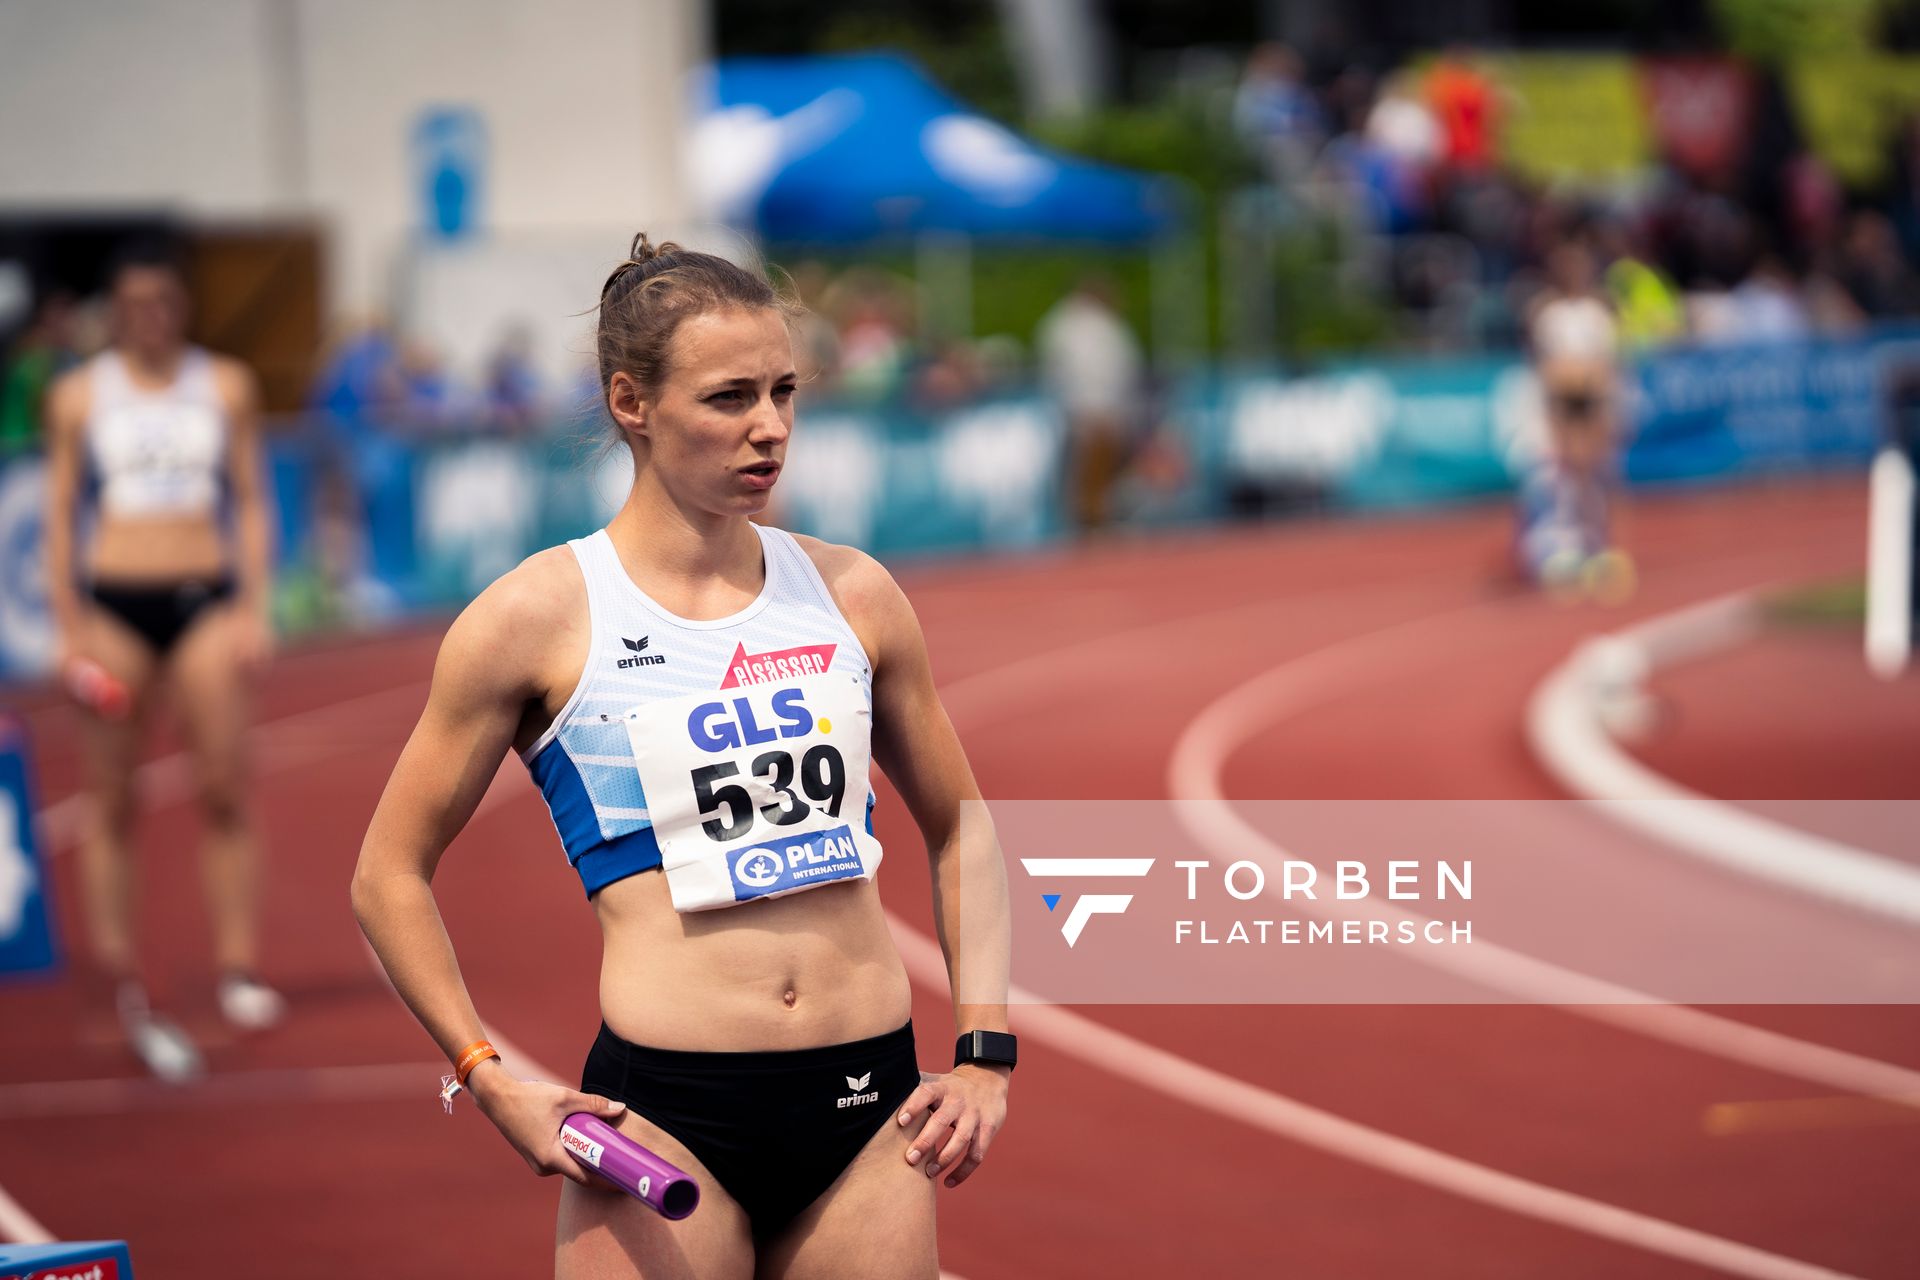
<point>782,664</point>
<point>637,655</point>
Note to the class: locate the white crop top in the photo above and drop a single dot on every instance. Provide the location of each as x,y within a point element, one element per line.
<point>156,453</point>
<point>732,753</point>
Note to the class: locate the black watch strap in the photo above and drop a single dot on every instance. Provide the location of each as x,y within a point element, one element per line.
<point>997,1047</point>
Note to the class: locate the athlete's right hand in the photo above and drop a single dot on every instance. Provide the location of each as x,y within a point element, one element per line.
<point>529,1114</point>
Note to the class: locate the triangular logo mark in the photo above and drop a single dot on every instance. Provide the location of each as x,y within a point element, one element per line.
<point>1051,899</point>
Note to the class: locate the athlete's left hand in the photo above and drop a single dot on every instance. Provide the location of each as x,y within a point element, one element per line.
<point>253,639</point>
<point>965,1109</point>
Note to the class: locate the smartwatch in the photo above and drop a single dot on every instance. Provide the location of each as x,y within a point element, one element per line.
<point>995,1047</point>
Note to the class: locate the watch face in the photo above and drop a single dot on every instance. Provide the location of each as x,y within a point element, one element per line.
<point>987,1046</point>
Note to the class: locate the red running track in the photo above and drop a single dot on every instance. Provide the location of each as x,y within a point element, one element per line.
<point>318,1148</point>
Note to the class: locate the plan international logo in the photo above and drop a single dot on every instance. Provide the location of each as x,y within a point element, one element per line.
<point>1087,905</point>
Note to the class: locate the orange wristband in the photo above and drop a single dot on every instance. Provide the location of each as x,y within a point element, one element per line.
<point>470,1057</point>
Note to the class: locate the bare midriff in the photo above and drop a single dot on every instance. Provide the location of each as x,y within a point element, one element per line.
<point>812,968</point>
<point>156,549</point>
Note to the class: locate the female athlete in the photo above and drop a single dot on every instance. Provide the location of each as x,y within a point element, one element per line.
<point>173,584</point>
<point>697,698</point>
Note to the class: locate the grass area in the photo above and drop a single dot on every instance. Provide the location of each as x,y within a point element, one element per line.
<point>1842,602</point>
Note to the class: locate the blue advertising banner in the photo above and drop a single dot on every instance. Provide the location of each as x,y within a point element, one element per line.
<point>1403,434</point>
<point>1379,435</point>
<point>26,625</point>
<point>375,524</point>
<point>26,929</point>
<point>1722,411</point>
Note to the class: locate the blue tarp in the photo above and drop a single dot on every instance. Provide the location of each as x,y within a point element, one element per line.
<point>848,148</point>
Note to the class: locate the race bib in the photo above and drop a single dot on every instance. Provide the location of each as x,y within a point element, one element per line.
<point>159,461</point>
<point>757,791</point>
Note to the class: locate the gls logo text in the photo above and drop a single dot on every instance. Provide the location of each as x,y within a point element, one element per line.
<point>1090,904</point>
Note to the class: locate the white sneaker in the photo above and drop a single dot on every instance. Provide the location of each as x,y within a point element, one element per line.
<point>250,1004</point>
<point>166,1050</point>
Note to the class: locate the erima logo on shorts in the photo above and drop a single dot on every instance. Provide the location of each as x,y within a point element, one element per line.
<point>857,1083</point>
<point>637,656</point>
<point>1087,905</point>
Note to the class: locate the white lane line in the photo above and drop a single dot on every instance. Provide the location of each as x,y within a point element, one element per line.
<point>19,1226</point>
<point>276,744</point>
<point>1568,737</point>
<point>1351,666</point>
<point>1154,1068</point>
<point>1098,1045</point>
<point>1237,1100</point>
<point>143,1094</point>
<point>1244,1102</point>
<point>164,781</point>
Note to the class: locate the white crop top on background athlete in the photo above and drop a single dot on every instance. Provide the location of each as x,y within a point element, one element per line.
<point>731,753</point>
<point>156,453</point>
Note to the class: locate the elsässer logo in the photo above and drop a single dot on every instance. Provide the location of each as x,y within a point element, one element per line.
<point>1087,905</point>
<point>745,668</point>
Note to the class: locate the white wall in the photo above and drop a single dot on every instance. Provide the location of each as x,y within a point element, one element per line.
<point>582,102</point>
<point>250,109</point>
<point>138,105</point>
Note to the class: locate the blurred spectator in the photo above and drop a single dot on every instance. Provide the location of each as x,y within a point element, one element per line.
<point>1648,304</point>
<point>1091,363</point>
<point>1903,190</point>
<point>951,378</point>
<point>1575,341</point>
<point>1566,536</point>
<point>427,398</point>
<point>1275,114</point>
<point>873,341</point>
<point>1830,308</point>
<point>1403,133</point>
<point>513,396</point>
<point>816,344</point>
<point>1003,362</point>
<point>1815,202</point>
<point>360,383</point>
<point>44,350</point>
<point>1466,106</point>
<point>1767,306</point>
<point>1873,271</point>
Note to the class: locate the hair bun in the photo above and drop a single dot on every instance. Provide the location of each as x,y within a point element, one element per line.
<point>642,255</point>
<point>643,251</point>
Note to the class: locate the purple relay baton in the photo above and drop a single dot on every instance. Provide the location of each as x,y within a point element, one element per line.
<point>629,1166</point>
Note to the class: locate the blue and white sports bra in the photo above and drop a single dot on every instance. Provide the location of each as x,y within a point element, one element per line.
<point>731,753</point>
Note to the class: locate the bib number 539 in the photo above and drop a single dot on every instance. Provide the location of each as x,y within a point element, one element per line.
<point>821,774</point>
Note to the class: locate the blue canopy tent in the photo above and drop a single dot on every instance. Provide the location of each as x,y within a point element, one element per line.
<point>858,147</point>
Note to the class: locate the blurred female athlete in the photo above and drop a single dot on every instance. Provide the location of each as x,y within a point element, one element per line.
<point>697,697</point>
<point>172,585</point>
